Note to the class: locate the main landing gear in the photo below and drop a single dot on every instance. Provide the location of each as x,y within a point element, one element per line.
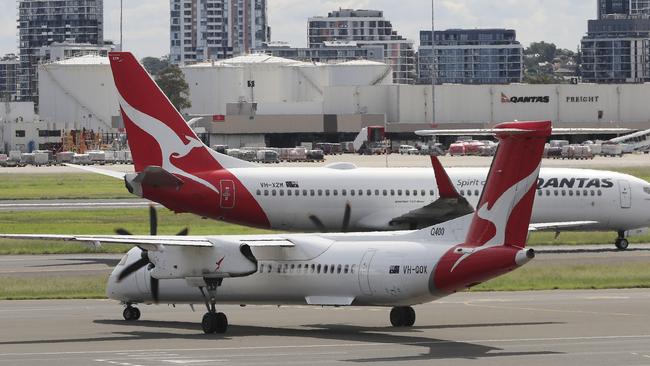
<point>213,322</point>
<point>402,316</point>
<point>131,313</point>
<point>621,243</point>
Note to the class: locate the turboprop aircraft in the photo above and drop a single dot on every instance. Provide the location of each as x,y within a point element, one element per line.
<point>174,168</point>
<point>393,269</point>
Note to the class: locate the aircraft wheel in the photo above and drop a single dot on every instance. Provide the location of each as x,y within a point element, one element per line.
<point>621,244</point>
<point>402,316</point>
<point>221,323</point>
<point>209,323</point>
<point>130,313</point>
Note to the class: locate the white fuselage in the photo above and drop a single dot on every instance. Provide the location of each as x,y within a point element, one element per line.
<point>288,196</point>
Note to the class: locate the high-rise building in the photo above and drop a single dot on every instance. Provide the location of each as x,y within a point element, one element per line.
<point>616,48</point>
<point>366,28</point>
<point>8,77</point>
<point>335,51</point>
<point>471,56</point>
<point>202,30</point>
<point>43,22</point>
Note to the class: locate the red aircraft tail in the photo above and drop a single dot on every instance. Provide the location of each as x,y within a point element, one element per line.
<point>496,237</point>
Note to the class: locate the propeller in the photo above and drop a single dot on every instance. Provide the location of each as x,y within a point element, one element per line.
<point>345,226</point>
<point>144,256</point>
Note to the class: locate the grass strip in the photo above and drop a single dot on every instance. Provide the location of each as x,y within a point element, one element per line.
<point>15,186</point>
<point>53,287</point>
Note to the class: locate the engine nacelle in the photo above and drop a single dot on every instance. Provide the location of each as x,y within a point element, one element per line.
<point>224,259</point>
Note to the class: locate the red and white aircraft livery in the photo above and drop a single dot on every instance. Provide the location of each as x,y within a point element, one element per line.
<point>396,269</point>
<point>176,169</point>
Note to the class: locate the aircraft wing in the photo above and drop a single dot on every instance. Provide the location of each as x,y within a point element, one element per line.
<point>558,226</point>
<point>149,242</point>
<point>109,173</point>
<point>490,131</point>
<point>449,206</point>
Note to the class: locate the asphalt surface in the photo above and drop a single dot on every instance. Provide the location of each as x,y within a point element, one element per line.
<point>71,204</point>
<point>609,327</point>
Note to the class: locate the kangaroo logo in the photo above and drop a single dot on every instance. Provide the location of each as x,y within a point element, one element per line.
<point>170,143</point>
<point>499,214</point>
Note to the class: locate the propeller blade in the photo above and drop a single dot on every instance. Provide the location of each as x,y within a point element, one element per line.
<point>120,231</point>
<point>184,232</point>
<point>346,218</point>
<point>153,220</point>
<point>133,267</point>
<point>154,289</point>
<point>319,224</point>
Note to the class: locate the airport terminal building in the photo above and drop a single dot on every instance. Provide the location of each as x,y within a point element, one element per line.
<point>261,99</point>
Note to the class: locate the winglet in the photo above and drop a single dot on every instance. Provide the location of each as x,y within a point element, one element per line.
<point>446,188</point>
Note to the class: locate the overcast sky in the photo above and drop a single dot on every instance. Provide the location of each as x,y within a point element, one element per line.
<point>146,22</point>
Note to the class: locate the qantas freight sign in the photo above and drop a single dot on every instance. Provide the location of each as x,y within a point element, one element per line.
<point>525,99</point>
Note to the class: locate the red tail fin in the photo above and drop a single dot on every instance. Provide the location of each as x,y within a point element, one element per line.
<point>504,209</point>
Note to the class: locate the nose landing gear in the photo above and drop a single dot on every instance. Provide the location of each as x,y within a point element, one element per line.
<point>402,316</point>
<point>131,313</point>
<point>621,242</point>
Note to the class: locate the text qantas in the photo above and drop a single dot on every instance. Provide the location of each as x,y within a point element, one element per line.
<point>552,183</point>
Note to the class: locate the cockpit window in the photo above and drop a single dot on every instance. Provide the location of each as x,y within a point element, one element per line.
<point>646,190</point>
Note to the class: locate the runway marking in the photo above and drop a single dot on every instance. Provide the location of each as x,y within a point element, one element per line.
<point>607,297</point>
<point>470,303</point>
<point>311,346</point>
<point>72,204</point>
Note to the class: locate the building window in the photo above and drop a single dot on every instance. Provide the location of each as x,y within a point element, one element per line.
<point>20,133</point>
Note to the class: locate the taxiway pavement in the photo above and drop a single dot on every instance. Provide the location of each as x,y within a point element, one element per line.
<point>605,327</point>
<point>72,204</point>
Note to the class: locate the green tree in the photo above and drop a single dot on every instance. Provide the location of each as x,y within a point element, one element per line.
<point>173,84</point>
<point>155,65</point>
<point>546,51</point>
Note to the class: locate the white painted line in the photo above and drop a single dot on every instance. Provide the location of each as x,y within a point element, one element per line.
<point>350,345</point>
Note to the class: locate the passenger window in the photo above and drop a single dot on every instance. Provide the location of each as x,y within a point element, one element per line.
<point>279,268</point>
<point>344,192</point>
<point>331,268</point>
<point>600,193</point>
<point>352,192</point>
<point>346,269</point>
<point>385,192</point>
<point>299,268</point>
<point>261,267</point>
<point>593,193</point>
<point>415,192</point>
<point>360,192</point>
<point>288,192</point>
<point>336,192</point>
<point>286,267</point>
<point>548,193</point>
<point>423,193</point>
<point>273,192</point>
<point>292,267</point>
<point>325,267</point>
<point>469,193</point>
<point>282,192</point>
<point>338,269</point>
<point>368,193</point>
<point>270,268</point>
<point>327,192</point>
<point>462,192</point>
<point>258,192</point>
<point>312,192</point>
<point>577,193</point>
<point>563,192</point>
<point>476,193</point>
<point>376,192</point>
<point>555,192</point>
<point>585,193</point>
<point>407,192</point>
<point>312,268</point>
<point>318,268</point>
<point>399,192</point>
<point>353,268</point>
<point>392,192</point>
<point>539,192</point>
<point>431,193</point>
<point>304,192</point>
<point>266,192</point>
<point>320,192</point>
<point>570,192</point>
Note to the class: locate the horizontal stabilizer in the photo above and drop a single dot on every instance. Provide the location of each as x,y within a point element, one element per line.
<point>155,176</point>
<point>106,172</point>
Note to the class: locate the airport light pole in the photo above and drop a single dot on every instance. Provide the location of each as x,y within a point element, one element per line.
<point>121,40</point>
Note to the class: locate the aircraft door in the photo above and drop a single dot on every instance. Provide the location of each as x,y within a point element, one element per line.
<point>364,271</point>
<point>626,193</point>
<point>227,190</point>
